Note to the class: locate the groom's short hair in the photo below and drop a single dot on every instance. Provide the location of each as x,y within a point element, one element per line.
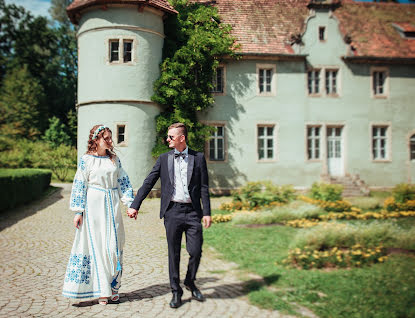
<point>182,127</point>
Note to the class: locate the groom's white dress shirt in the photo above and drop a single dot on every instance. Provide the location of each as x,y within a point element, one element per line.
<point>181,191</point>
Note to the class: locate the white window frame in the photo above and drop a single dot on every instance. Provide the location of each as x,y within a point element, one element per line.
<point>225,141</point>
<point>121,41</point>
<point>312,139</point>
<point>124,143</point>
<point>331,70</point>
<point>323,69</point>
<point>411,145</point>
<point>385,93</point>
<point>273,83</point>
<point>313,79</point>
<point>274,142</point>
<point>388,143</point>
<point>218,93</point>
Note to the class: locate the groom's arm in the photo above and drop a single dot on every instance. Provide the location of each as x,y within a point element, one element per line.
<point>147,186</point>
<point>204,187</point>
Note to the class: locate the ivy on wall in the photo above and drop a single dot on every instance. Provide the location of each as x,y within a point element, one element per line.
<point>195,41</point>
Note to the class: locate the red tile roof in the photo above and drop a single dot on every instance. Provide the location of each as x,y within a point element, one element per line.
<point>77,5</point>
<point>266,26</point>
<point>405,26</point>
<point>370,27</point>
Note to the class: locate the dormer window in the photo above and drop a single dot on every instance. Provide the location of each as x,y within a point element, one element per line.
<point>322,33</point>
<point>405,29</point>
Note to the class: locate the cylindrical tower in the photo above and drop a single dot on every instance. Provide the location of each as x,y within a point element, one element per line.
<point>119,51</point>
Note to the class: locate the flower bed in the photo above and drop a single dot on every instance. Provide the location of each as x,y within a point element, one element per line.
<point>356,256</point>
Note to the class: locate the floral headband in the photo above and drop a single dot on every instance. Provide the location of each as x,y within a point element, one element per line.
<point>98,130</point>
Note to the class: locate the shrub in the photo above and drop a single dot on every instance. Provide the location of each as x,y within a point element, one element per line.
<point>326,192</point>
<point>19,186</point>
<point>263,193</point>
<point>331,234</point>
<point>292,211</point>
<point>403,192</point>
<point>40,154</point>
<point>391,205</point>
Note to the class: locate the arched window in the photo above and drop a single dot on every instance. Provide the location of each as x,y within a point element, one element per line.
<point>412,147</point>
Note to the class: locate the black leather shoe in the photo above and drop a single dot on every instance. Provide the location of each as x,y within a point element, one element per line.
<point>196,294</point>
<point>176,300</point>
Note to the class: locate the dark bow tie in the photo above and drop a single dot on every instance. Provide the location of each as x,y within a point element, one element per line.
<point>180,154</point>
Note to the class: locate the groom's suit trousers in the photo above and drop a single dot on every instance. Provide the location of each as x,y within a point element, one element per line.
<point>179,218</point>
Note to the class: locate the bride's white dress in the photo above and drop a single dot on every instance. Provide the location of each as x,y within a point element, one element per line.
<point>95,264</point>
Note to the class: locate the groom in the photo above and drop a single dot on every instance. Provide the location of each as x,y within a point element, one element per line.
<point>184,182</point>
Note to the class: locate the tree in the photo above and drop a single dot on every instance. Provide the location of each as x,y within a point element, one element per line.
<point>195,42</point>
<point>21,105</point>
<point>57,133</point>
<point>57,11</point>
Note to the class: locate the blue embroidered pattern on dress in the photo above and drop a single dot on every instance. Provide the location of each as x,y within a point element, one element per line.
<point>78,196</point>
<point>79,269</point>
<point>82,164</point>
<point>126,187</point>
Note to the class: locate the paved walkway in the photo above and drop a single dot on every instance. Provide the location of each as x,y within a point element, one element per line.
<point>35,243</point>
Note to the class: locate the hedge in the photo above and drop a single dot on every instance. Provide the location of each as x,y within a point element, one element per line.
<point>18,186</point>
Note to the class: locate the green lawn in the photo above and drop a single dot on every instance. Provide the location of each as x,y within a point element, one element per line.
<point>382,290</point>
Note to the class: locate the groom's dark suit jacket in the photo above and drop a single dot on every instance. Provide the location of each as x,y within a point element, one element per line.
<point>197,181</point>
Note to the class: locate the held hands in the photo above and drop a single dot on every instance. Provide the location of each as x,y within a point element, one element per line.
<point>77,220</point>
<point>132,213</point>
<point>207,221</point>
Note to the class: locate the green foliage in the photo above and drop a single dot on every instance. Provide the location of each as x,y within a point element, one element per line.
<point>372,234</point>
<point>57,133</point>
<point>40,154</point>
<point>382,290</point>
<point>19,186</point>
<point>21,105</point>
<point>72,126</point>
<point>195,41</point>
<point>262,193</point>
<point>326,192</point>
<point>292,211</point>
<point>50,55</point>
<point>403,192</point>
<point>61,160</point>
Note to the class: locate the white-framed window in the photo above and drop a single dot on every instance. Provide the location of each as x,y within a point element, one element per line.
<point>380,142</point>
<point>313,142</point>
<point>218,81</point>
<point>266,79</point>
<point>313,81</point>
<point>412,147</point>
<point>266,142</point>
<point>380,82</point>
<point>322,33</point>
<point>128,50</point>
<point>217,144</point>
<point>121,134</point>
<point>331,81</point>
<point>114,50</point>
<point>121,51</point>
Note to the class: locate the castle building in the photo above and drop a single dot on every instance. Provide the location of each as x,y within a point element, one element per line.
<point>323,90</point>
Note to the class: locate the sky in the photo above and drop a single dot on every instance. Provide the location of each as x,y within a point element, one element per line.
<point>37,7</point>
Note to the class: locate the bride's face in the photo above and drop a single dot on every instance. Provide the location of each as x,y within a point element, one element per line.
<point>105,142</point>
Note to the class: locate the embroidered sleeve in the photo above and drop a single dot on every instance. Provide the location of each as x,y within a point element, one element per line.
<point>79,187</point>
<point>124,186</point>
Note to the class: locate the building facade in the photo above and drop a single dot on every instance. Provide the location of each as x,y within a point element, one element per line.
<point>321,90</point>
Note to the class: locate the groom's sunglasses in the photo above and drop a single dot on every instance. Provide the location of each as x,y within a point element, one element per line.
<point>172,137</point>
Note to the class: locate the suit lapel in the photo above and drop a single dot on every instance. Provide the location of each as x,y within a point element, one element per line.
<point>190,166</point>
<point>170,166</point>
